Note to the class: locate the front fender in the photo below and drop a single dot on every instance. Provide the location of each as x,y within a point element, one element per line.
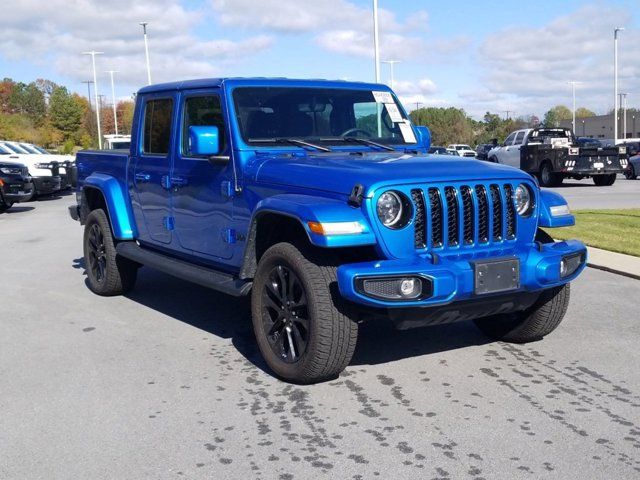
<point>548,219</point>
<point>118,206</point>
<point>307,208</point>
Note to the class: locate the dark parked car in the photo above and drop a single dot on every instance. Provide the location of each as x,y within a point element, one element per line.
<point>438,150</point>
<point>15,184</point>
<point>482,150</point>
<point>633,168</point>
<point>589,142</point>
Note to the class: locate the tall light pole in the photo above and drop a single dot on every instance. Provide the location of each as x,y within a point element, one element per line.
<point>615,83</point>
<point>391,63</point>
<point>624,115</point>
<point>113,99</point>
<point>146,50</point>
<point>93,54</point>
<point>376,44</point>
<point>573,91</point>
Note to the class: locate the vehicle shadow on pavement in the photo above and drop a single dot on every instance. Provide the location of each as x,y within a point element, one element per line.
<point>229,317</point>
<point>16,209</point>
<point>380,342</point>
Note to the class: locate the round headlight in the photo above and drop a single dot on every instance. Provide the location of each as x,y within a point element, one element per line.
<point>392,209</point>
<point>523,198</point>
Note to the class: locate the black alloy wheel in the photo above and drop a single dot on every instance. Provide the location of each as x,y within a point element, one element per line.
<point>285,314</point>
<point>97,253</point>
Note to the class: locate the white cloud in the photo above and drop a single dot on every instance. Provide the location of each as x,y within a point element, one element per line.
<point>57,31</point>
<point>528,68</point>
<point>339,26</point>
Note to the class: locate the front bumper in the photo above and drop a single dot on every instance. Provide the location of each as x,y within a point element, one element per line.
<point>453,278</point>
<point>46,185</point>
<point>16,192</point>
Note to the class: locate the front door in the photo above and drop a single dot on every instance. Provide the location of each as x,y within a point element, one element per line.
<point>513,151</point>
<point>151,167</point>
<point>202,202</point>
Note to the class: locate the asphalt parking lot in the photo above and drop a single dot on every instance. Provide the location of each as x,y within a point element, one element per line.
<point>583,194</point>
<point>167,383</point>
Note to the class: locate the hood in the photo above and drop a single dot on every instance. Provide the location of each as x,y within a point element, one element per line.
<point>339,172</point>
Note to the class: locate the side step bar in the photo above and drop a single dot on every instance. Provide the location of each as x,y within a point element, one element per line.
<point>206,277</point>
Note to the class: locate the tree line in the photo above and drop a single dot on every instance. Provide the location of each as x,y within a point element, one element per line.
<point>47,114</point>
<point>453,125</point>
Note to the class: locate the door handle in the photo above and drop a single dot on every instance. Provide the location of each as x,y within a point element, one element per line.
<point>142,177</point>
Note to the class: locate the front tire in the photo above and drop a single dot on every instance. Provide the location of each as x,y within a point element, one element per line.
<point>108,274</point>
<point>532,324</point>
<point>630,173</point>
<point>301,328</point>
<point>4,205</point>
<point>604,180</point>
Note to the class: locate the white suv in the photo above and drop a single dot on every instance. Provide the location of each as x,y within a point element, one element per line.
<point>462,150</point>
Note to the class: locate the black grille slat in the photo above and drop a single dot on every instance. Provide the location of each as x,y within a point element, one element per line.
<point>435,205</point>
<point>496,200</point>
<point>453,232</point>
<point>420,221</point>
<point>511,212</point>
<point>483,214</point>
<point>468,223</point>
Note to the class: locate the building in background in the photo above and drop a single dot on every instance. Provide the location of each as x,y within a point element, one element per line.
<point>601,126</point>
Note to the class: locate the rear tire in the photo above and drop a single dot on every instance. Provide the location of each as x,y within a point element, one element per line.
<point>532,324</point>
<point>4,205</point>
<point>630,173</point>
<point>299,320</point>
<point>547,177</point>
<point>108,273</point>
<point>604,180</point>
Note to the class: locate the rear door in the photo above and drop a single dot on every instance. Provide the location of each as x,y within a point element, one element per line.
<point>151,168</point>
<point>202,204</point>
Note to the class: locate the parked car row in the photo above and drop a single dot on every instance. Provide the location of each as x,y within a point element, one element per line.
<point>27,171</point>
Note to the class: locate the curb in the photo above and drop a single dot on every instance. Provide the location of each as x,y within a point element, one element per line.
<point>613,262</point>
<point>613,270</point>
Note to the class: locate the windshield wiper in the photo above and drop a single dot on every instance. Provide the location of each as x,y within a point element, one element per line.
<point>292,141</point>
<point>362,141</point>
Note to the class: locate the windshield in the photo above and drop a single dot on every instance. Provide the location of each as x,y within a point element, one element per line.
<point>319,115</point>
<point>120,145</point>
<point>462,147</point>
<point>40,149</point>
<point>30,148</point>
<point>12,148</point>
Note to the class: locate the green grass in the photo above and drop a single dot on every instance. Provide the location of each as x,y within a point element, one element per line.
<point>613,230</point>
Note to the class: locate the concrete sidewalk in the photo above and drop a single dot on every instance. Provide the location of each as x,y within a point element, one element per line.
<point>619,263</point>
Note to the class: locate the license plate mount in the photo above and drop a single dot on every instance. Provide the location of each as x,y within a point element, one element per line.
<point>500,275</point>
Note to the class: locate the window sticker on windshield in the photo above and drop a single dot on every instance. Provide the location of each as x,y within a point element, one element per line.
<point>394,112</point>
<point>407,132</point>
<point>382,97</point>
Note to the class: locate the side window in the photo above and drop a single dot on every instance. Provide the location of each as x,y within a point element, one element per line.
<point>519,138</point>
<point>200,112</point>
<point>157,126</point>
<point>509,139</point>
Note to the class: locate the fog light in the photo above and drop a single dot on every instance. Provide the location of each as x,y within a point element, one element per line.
<point>393,288</point>
<point>570,263</point>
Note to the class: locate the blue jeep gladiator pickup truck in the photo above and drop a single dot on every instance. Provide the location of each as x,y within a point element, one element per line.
<point>318,199</point>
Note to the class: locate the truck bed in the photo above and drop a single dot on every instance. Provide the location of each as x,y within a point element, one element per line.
<point>108,162</point>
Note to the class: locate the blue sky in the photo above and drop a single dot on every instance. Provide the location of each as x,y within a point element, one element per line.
<point>480,56</point>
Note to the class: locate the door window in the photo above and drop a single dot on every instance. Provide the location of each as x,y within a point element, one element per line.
<point>199,112</point>
<point>157,126</point>
<point>510,138</point>
<point>519,138</point>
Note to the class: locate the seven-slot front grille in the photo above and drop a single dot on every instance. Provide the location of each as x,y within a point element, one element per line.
<point>450,216</point>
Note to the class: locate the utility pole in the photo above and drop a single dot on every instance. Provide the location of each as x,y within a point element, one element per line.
<point>93,54</point>
<point>391,63</point>
<point>507,112</point>
<point>146,50</point>
<point>113,100</point>
<point>418,105</point>
<point>573,90</point>
<point>615,83</point>
<point>89,82</point>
